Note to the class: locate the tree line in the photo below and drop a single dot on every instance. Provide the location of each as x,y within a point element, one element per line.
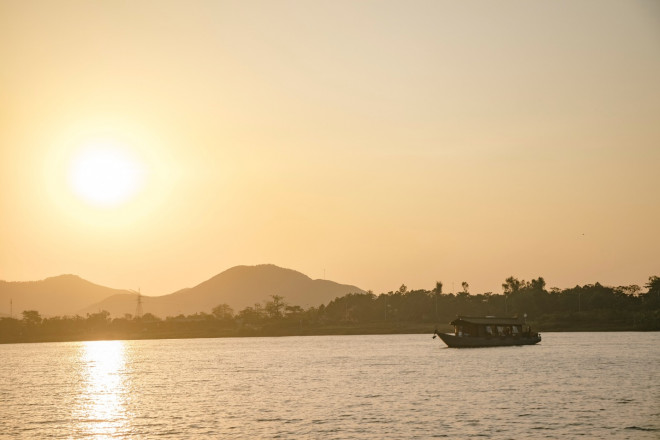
<point>588,307</point>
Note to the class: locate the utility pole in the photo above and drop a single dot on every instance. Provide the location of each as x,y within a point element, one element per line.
<point>11,308</point>
<point>138,308</point>
<point>579,301</point>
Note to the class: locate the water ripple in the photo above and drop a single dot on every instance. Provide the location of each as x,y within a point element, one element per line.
<point>591,385</point>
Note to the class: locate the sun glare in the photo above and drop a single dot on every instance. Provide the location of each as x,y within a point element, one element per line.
<point>105,174</point>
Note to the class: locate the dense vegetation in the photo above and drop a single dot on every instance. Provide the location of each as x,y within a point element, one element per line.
<point>589,307</point>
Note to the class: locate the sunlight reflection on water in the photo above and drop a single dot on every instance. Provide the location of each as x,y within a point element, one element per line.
<point>101,406</point>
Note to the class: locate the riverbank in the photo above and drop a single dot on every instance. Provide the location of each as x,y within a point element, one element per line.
<point>153,332</point>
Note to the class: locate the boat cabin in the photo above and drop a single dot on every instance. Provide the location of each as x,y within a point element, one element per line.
<point>489,326</point>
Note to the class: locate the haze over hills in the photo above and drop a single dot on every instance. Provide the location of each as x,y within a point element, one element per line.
<point>239,287</point>
<point>60,295</point>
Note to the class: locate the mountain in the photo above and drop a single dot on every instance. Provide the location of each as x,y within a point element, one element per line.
<point>240,286</point>
<point>55,296</point>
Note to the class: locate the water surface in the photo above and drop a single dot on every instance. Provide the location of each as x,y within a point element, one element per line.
<point>572,385</point>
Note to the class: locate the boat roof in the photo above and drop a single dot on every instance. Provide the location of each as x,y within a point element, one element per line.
<point>487,320</point>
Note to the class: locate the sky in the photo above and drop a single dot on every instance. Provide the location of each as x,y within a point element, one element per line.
<point>154,144</point>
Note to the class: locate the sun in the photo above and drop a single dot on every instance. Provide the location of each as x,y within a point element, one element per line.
<point>105,174</point>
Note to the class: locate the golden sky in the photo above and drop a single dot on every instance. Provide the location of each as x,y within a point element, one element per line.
<point>383,142</point>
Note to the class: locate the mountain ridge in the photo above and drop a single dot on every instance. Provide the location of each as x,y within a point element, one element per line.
<point>239,287</point>
<point>52,296</point>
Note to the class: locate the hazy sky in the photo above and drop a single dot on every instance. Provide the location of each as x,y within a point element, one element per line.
<point>383,142</point>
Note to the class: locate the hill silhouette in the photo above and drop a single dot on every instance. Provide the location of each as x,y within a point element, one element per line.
<point>239,287</point>
<point>60,295</point>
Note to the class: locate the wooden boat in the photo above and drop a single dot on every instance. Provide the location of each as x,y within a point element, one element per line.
<point>488,331</point>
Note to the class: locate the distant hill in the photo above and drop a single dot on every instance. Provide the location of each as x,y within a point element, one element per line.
<point>55,296</point>
<point>240,286</point>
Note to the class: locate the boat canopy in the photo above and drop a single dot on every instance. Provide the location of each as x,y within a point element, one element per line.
<point>488,320</point>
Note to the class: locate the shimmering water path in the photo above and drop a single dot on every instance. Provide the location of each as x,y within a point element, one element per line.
<point>572,385</point>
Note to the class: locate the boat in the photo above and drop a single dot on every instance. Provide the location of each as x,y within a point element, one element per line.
<point>488,331</point>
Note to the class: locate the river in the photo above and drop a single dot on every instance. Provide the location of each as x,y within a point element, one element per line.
<point>571,385</point>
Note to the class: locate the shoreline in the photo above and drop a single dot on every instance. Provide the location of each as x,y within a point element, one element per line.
<point>274,332</point>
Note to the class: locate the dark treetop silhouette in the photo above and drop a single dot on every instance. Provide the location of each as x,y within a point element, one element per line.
<point>588,307</point>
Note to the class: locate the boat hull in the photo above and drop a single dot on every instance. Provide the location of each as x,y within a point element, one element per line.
<point>492,341</point>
